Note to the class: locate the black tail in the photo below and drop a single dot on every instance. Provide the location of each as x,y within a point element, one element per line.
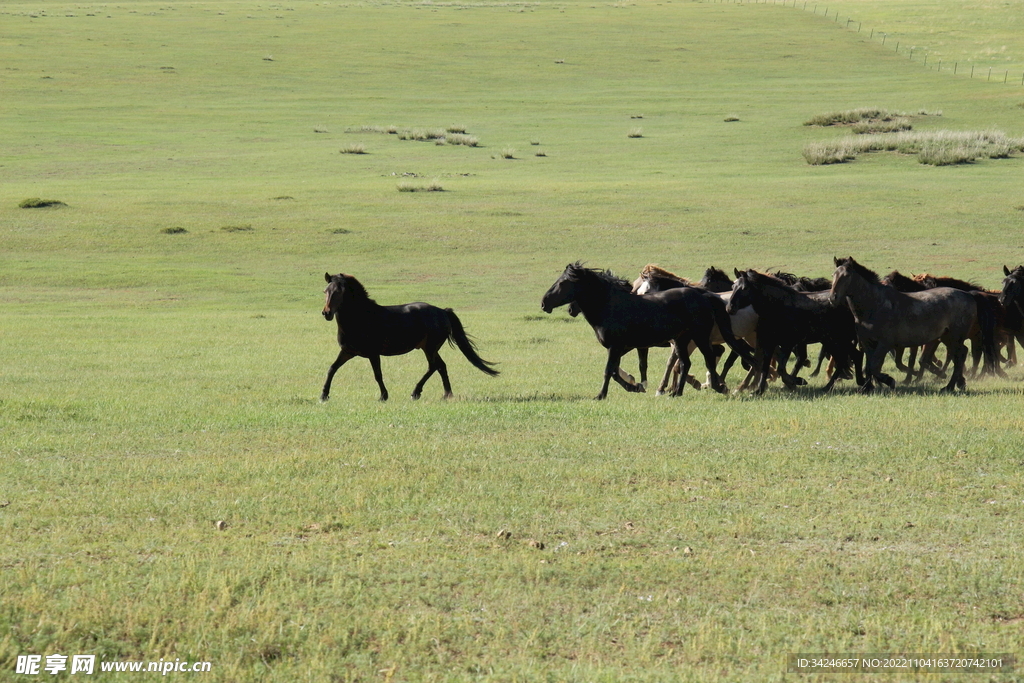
<point>724,323</point>
<point>458,337</point>
<point>987,322</point>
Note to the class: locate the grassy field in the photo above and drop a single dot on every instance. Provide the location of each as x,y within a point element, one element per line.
<point>163,348</point>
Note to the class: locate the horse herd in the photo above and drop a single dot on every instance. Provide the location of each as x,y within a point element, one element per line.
<point>858,318</point>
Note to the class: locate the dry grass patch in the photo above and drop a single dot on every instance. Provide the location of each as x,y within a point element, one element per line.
<point>935,148</point>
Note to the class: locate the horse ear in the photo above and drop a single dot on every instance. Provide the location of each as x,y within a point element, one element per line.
<point>327,276</point>
<point>737,272</point>
<point>835,260</point>
<point>1006,271</point>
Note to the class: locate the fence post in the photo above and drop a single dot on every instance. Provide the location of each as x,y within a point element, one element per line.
<point>989,75</point>
<point>972,71</point>
<point>954,67</point>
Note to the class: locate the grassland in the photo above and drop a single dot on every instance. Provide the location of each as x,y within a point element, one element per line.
<point>156,381</point>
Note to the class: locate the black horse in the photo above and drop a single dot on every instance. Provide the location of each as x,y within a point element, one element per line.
<point>788,320</point>
<point>367,329</point>
<point>715,280</point>
<point>623,321</point>
<point>1012,298</point>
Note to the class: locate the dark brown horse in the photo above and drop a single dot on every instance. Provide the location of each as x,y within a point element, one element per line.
<point>887,319</point>
<point>367,329</point>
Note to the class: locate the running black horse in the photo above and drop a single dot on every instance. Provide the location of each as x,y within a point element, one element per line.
<point>623,321</point>
<point>788,320</point>
<point>367,329</point>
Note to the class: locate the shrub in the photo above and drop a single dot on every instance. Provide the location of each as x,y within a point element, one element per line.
<point>237,228</point>
<point>635,133</point>
<point>508,153</point>
<point>37,203</point>
<point>354,148</point>
<point>460,139</point>
<point>174,231</point>
<point>433,186</point>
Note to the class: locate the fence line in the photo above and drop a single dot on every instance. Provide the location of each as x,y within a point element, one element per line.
<point>805,4</point>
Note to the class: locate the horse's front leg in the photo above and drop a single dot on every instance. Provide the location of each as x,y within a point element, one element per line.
<point>611,369</point>
<point>343,358</point>
<point>375,364</point>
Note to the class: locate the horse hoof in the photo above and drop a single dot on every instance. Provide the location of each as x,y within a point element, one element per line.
<point>415,397</point>
<point>448,395</point>
<point>324,398</point>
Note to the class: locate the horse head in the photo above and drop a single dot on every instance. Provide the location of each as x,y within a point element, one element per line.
<point>563,291</point>
<point>333,295</point>
<point>840,280</point>
<point>342,290</point>
<point>1012,291</point>
<point>741,292</point>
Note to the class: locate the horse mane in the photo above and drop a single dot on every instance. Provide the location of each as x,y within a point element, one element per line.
<point>930,281</point>
<point>901,282</point>
<point>355,288</point>
<point>865,272</point>
<point>770,279</point>
<point>577,271</point>
<point>713,273</point>
<point>801,283</point>
<point>653,270</point>
<point>788,278</point>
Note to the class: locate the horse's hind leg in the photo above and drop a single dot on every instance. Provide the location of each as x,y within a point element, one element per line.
<point>434,364</point>
<point>711,361</point>
<point>957,351</point>
<point>673,357</point>
<point>343,358</point>
<point>684,363</point>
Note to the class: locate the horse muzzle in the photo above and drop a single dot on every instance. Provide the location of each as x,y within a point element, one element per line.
<point>328,314</point>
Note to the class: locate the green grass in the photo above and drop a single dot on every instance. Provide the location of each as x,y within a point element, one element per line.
<point>155,384</point>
